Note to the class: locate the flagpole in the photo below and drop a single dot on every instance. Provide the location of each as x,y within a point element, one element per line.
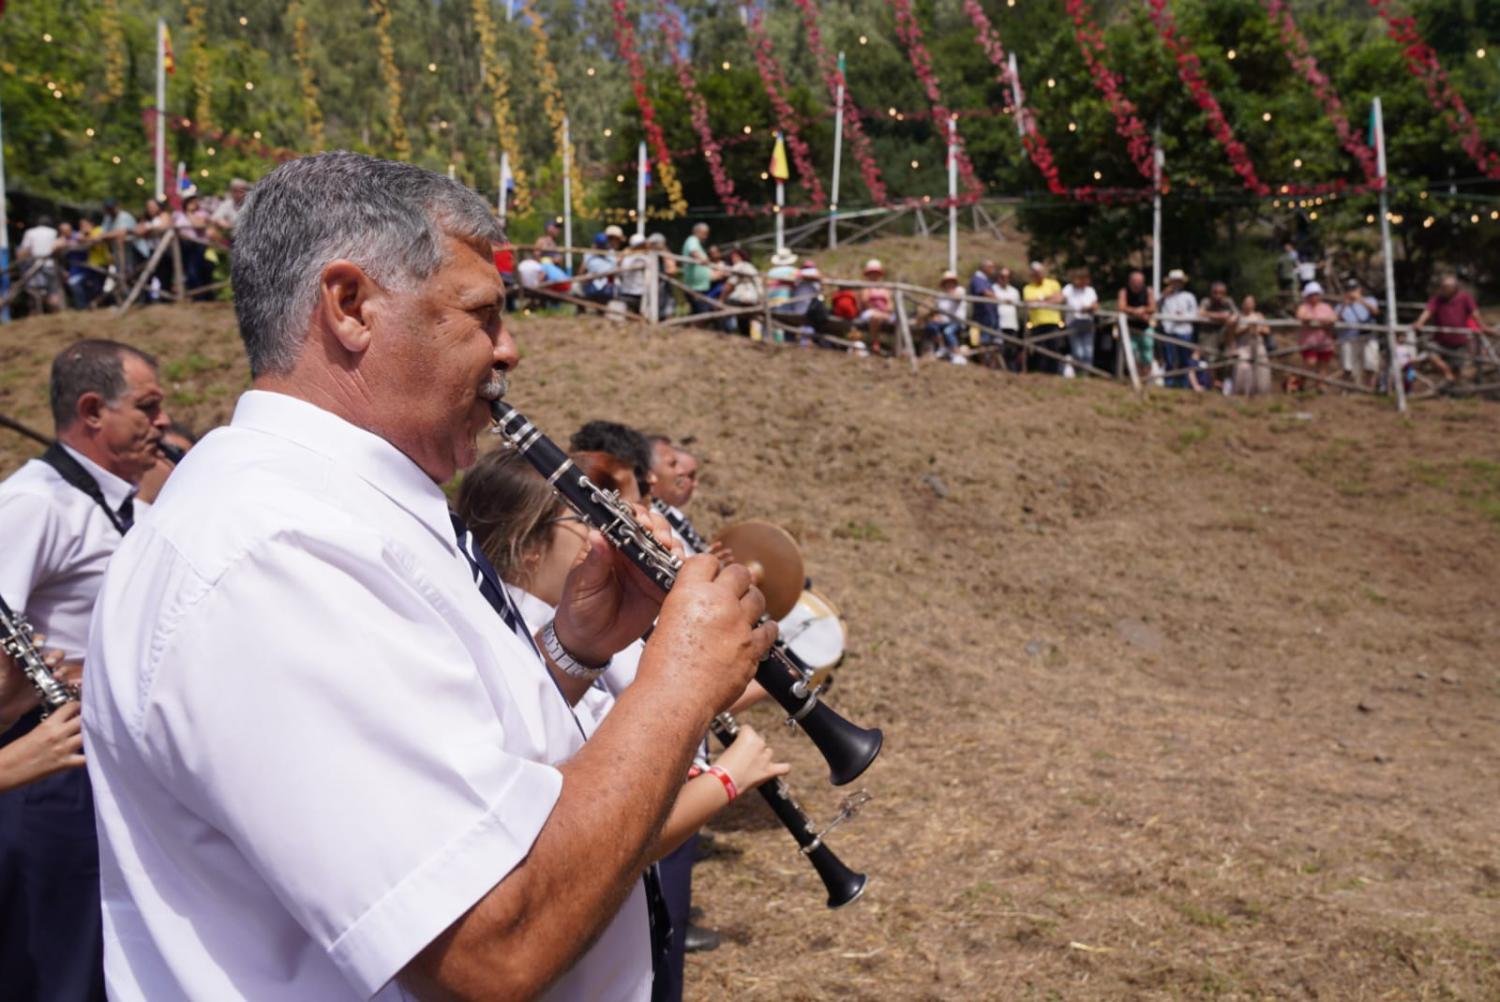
<point>1398,383</point>
<point>640,189</point>
<point>1015,96</point>
<point>780,219</point>
<point>161,108</point>
<point>567,198</point>
<point>452,172</point>
<point>4,235</point>
<point>502,198</point>
<point>1158,160</point>
<point>838,152</point>
<point>953,193</point>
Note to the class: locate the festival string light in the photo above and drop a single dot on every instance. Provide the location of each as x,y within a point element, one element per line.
<point>786,117</point>
<point>497,83</point>
<point>910,34</point>
<point>625,36</point>
<point>833,78</point>
<point>392,76</point>
<point>1127,123</point>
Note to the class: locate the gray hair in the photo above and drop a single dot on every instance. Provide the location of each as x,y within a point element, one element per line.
<point>389,218</point>
<point>89,366</point>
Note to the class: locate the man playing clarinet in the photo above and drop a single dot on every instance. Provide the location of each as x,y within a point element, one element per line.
<point>325,769</point>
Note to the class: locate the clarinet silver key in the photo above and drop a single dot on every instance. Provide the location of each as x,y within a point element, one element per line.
<point>16,639</point>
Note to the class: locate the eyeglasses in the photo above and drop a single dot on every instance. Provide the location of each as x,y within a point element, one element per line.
<point>564,518</point>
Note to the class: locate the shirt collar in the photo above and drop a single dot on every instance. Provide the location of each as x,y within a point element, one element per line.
<point>368,456</point>
<point>115,490</point>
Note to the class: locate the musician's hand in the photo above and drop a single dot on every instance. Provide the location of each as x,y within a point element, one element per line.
<point>706,639</point>
<point>17,695</point>
<point>54,745</point>
<point>607,602</point>
<point>750,761</point>
<point>724,553</point>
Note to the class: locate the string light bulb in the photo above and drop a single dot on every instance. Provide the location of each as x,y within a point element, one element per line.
<point>244,21</point>
<point>864,40</point>
<point>764,176</point>
<point>748,130</point>
<point>915,164</point>
<point>1422,196</point>
<point>608,133</point>
<point>1427,223</point>
<point>1098,176</point>
<point>589,71</point>
<point>1230,55</point>
<point>1297,163</point>
<point>249,84</point>
<point>1474,218</point>
<point>619,178</point>
<point>1051,81</point>
<point>1072,126</point>
<point>1312,215</point>
<point>1266,117</point>
<point>1479,53</point>
<point>114,160</point>
<point>47,37</point>
<point>256,133</point>
<point>89,132</point>
<point>211,152</point>
<point>432,67</point>
<point>1369,219</point>
<point>1495,214</point>
<point>141,181</point>
<point>203,172</point>
<point>725,64</point>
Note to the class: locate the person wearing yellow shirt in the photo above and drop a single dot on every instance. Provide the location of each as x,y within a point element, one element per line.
<point>1044,326</point>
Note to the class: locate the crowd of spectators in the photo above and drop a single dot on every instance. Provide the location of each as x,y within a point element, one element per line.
<point>1187,340</point>
<point>96,256</point>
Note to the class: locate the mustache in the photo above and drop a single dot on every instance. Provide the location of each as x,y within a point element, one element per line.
<point>494,388</point>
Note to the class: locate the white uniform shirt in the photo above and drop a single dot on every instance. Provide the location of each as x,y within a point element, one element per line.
<point>530,272</point>
<point>57,542</point>
<point>1181,303</point>
<point>314,745</point>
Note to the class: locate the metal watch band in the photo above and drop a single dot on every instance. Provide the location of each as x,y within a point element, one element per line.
<point>559,656</point>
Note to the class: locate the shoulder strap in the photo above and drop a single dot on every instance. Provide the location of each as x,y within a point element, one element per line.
<point>73,472</point>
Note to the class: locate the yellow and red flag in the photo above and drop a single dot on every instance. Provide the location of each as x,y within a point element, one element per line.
<point>779,169</point>
<point>168,61</point>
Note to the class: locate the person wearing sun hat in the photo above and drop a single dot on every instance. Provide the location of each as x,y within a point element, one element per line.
<point>1315,336</point>
<point>947,317</point>
<point>1178,307</point>
<point>876,304</point>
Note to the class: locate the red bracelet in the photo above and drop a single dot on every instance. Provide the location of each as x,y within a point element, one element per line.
<point>726,779</point>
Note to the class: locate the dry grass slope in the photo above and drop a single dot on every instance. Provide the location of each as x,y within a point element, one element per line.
<point>1185,698</point>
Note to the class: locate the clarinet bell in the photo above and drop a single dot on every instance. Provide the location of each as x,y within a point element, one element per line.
<point>848,748</point>
<point>844,885</point>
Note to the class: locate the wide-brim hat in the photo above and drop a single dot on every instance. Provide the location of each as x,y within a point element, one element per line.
<point>615,232</point>
<point>1177,275</point>
<point>1311,289</point>
<point>873,265</point>
<point>949,276</point>
<point>784,259</point>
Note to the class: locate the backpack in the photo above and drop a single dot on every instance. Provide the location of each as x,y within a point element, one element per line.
<point>845,304</point>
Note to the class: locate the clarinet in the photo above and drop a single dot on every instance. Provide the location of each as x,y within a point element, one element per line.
<point>844,885</point>
<point>15,640</point>
<point>848,748</point>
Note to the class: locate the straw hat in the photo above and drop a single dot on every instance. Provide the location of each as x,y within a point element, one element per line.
<point>637,240</point>
<point>1177,275</point>
<point>948,276</point>
<point>784,259</point>
<point>874,265</point>
<point>614,232</point>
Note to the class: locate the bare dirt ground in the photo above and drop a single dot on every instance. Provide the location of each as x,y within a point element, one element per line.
<point>1184,698</point>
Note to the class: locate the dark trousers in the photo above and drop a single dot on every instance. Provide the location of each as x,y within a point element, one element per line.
<point>1177,356</point>
<point>51,933</point>
<point>677,887</point>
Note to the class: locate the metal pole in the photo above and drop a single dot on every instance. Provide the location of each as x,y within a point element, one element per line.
<point>567,198</point>
<point>838,153</point>
<point>780,219</point>
<point>452,172</point>
<point>1015,96</point>
<point>953,193</point>
<point>1398,384</point>
<point>1158,160</point>
<point>502,198</point>
<point>161,108</point>
<point>4,235</point>
<point>640,192</point>
<point>510,10</point>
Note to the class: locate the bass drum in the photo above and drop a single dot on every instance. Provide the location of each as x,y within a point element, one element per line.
<point>815,632</point>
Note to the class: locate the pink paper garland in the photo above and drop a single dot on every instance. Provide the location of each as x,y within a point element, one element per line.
<point>786,115</point>
<point>1188,71</point>
<point>859,142</point>
<point>910,34</point>
<point>1127,123</point>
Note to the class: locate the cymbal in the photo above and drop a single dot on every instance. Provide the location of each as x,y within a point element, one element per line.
<point>773,559</point>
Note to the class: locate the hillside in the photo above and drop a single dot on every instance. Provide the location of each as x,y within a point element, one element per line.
<point>1184,697</point>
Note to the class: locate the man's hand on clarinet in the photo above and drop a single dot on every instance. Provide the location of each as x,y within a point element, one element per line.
<point>707,639</point>
<point>607,602</point>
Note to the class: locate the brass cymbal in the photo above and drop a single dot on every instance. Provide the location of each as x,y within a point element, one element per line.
<point>773,559</point>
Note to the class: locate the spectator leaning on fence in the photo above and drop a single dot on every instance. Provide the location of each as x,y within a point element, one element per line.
<point>35,255</point>
<point>696,274</point>
<point>1251,375</point>
<point>1452,307</point>
<point>876,303</point>
<point>1359,350</point>
<point>1009,316</point>
<point>1315,336</point>
<point>1083,305</point>
<point>1217,312</point>
<point>631,287</point>
<point>1041,294</point>
<point>1178,307</point>
<point>1138,303</point>
<point>598,286</point>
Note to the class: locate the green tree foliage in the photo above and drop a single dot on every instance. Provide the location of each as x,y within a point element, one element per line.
<point>1211,224</point>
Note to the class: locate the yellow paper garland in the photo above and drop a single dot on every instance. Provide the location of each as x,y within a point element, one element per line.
<point>392,74</point>
<point>498,84</point>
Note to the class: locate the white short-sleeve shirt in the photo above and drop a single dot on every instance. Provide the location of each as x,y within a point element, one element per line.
<point>313,743</point>
<point>57,542</point>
